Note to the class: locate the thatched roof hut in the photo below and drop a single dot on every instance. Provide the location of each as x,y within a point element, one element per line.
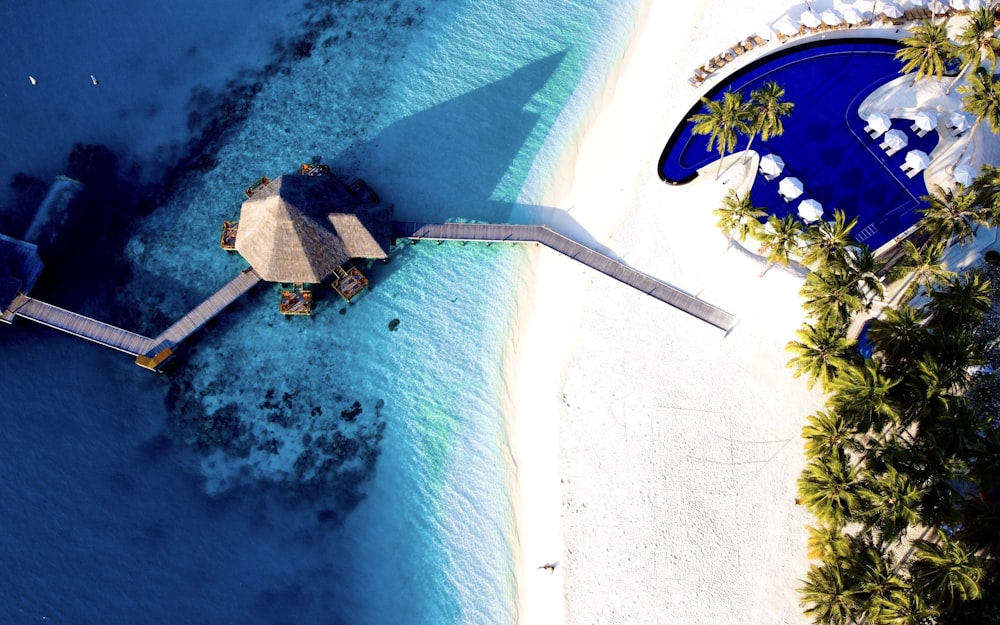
<point>285,228</point>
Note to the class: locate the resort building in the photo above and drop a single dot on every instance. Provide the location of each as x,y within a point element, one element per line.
<point>303,229</point>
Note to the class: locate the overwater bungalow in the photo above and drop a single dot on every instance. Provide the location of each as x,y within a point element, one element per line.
<point>308,228</point>
<point>20,267</point>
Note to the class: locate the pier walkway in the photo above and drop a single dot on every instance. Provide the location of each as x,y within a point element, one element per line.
<point>82,326</point>
<point>149,353</point>
<point>599,262</point>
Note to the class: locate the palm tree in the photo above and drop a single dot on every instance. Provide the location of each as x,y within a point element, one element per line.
<point>832,295</point>
<point>821,352</point>
<point>893,503</point>
<point>829,488</point>
<point>961,300</point>
<point>828,239</point>
<point>976,42</point>
<point>981,97</point>
<point>874,575</point>
<point>780,238</point>
<point>951,215</point>
<point>738,217</point>
<point>831,601</point>
<point>925,266</point>
<point>829,544</point>
<point>827,433</point>
<point>928,50</point>
<point>861,262</point>
<point>980,524</point>
<point>899,335</point>
<point>946,572</point>
<point>723,122</point>
<point>768,107</point>
<point>986,186</point>
<point>903,607</point>
<point>864,396</point>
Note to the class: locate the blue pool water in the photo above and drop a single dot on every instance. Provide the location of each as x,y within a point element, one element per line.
<point>307,470</point>
<point>824,143</point>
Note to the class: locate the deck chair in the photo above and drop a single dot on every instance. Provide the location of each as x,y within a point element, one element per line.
<point>890,151</point>
<point>913,172</point>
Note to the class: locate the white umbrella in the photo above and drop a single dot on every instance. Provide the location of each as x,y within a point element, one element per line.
<point>975,5</point>
<point>918,159</point>
<point>772,165</point>
<point>964,174</point>
<point>925,120</point>
<point>938,7</point>
<point>958,121</point>
<point>852,17</point>
<point>879,122</point>
<point>786,27</point>
<point>893,10</point>
<point>831,18</point>
<point>895,139</point>
<point>810,19</point>
<point>958,5</point>
<point>810,210</point>
<point>916,4</point>
<point>790,188</point>
<point>765,32</point>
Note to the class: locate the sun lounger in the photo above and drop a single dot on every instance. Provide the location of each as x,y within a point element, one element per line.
<point>739,50</point>
<point>889,151</point>
<point>922,132</point>
<point>955,132</point>
<point>913,172</point>
<point>729,56</point>
<point>757,39</point>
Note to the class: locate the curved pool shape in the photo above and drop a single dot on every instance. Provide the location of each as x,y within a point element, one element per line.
<point>824,144</point>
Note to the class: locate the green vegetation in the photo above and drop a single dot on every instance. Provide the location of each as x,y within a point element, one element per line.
<point>736,115</point>
<point>902,467</point>
<point>928,50</point>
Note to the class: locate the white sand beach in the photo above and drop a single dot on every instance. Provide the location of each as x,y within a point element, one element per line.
<point>657,457</point>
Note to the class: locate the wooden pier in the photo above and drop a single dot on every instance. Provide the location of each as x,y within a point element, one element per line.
<point>200,314</point>
<point>491,233</point>
<point>82,326</point>
<point>149,353</point>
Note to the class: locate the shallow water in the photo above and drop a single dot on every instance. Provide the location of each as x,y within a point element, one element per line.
<point>323,469</point>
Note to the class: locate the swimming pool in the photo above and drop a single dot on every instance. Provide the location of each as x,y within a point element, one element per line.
<point>824,144</point>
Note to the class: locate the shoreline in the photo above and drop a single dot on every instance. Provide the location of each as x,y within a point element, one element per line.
<point>578,401</point>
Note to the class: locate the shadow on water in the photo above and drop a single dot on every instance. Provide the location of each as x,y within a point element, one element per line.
<point>451,158</point>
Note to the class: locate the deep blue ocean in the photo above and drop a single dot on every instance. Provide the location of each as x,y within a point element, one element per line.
<point>302,470</point>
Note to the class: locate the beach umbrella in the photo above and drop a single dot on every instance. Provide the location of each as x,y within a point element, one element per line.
<point>975,5</point>
<point>895,139</point>
<point>925,120</point>
<point>765,32</point>
<point>810,210</point>
<point>917,4</point>
<point>772,165</point>
<point>831,18</point>
<point>810,19</point>
<point>786,27</point>
<point>938,7</point>
<point>893,10</point>
<point>790,188</point>
<point>958,121</point>
<point>879,122</point>
<point>918,159</point>
<point>964,175</point>
<point>852,17</point>
<point>958,5</point>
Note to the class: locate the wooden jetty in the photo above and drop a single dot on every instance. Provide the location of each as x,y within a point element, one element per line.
<point>81,326</point>
<point>149,353</point>
<point>200,314</point>
<point>491,233</point>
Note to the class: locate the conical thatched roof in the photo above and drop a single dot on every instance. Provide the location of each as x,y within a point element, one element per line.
<point>283,231</point>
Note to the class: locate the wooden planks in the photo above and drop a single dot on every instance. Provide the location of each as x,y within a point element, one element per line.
<point>200,314</point>
<point>130,342</point>
<point>599,262</point>
<point>83,327</point>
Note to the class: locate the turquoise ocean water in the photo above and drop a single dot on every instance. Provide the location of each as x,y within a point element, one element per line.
<point>304,470</point>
